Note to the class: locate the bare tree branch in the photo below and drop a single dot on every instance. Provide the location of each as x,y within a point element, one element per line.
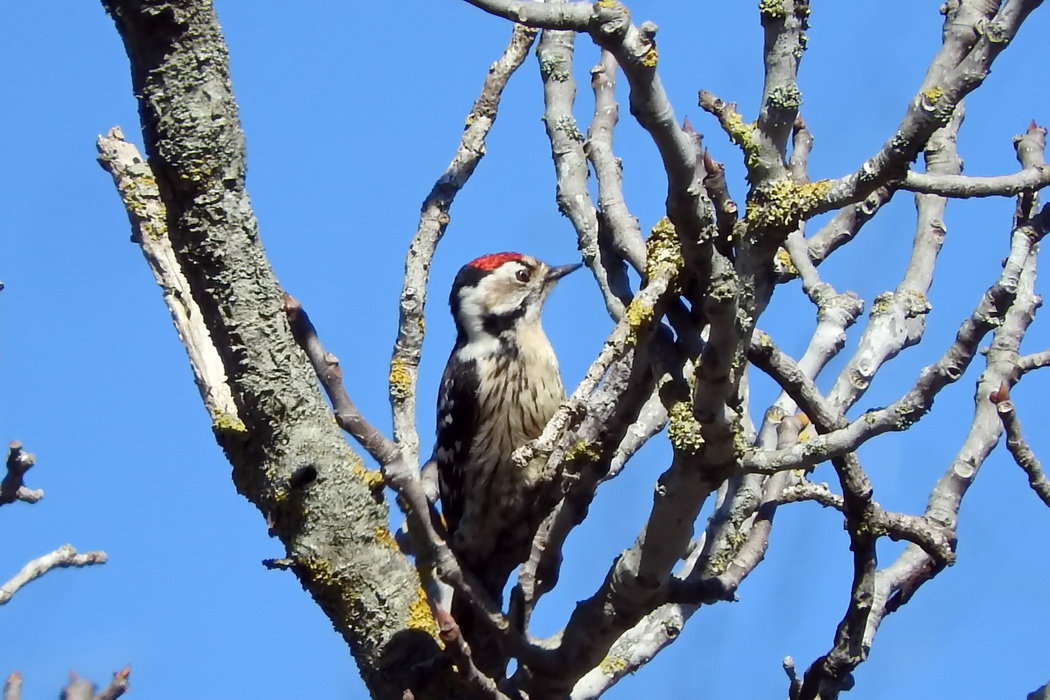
<point>1036,360</point>
<point>574,16</point>
<point>461,655</point>
<point>12,487</point>
<point>635,648</point>
<point>963,186</point>
<point>555,55</point>
<point>117,686</point>
<point>78,689</point>
<point>876,521</point>
<point>13,687</point>
<point>958,69</point>
<point>326,365</point>
<point>147,213</point>
<point>64,556</point>
<point>784,25</point>
<point>898,319</point>
<point>1020,450</point>
<point>433,220</point>
<point>618,230</point>
<point>902,413</point>
<point>846,224</point>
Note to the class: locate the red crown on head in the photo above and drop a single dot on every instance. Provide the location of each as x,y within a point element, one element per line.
<point>493,260</point>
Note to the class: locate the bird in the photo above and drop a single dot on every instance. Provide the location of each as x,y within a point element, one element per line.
<point>500,387</point>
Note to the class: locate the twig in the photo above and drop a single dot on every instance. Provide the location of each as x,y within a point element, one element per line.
<point>13,687</point>
<point>12,488</point>
<point>945,87</point>
<point>1036,360</point>
<point>117,687</point>
<point>62,557</point>
<point>898,318</point>
<point>78,689</point>
<point>964,186</point>
<point>433,220</point>
<point>726,209</point>
<point>618,230</point>
<point>806,490</point>
<point>460,653</point>
<point>794,684</point>
<point>326,365</point>
<point>801,145</point>
<point>846,224</point>
<point>1015,442</point>
<point>554,53</point>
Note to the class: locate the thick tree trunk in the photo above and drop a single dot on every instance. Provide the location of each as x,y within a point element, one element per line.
<point>288,456</point>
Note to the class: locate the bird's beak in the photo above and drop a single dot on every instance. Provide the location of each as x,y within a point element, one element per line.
<point>556,273</point>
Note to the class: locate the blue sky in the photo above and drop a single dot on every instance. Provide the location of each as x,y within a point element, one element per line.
<point>350,114</point>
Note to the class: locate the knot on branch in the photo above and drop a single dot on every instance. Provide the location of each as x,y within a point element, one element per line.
<point>610,22</point>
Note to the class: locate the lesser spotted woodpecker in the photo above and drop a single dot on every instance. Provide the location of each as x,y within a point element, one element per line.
<point>500,387</point>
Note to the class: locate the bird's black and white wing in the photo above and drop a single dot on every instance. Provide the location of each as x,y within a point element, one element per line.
<point>457,418</point>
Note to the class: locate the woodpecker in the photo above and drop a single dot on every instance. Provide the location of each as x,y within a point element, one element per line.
<point>500,387</point>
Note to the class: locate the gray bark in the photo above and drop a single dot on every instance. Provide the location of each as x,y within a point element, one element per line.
<point>288,456</point>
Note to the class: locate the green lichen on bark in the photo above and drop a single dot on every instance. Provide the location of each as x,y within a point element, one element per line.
<point>400,379</point>
<point>651,57</point>
<point>785,97</point>
<point>419,615</point>
<point>566,124</point>
<point>613,666</point>
<point>554,68</point>
<point>638,314</point>
<point>683,430</point>
<point>225,423</point>
<point>582,451</point>
<point>784,263</point>
<point>882,303</point>
<point>373,478</point>
<point>771,10</point>
<point>663,251</point>
<point>742,134</point>
<point>784,203</point>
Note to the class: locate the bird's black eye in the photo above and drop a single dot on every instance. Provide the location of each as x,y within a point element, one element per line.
<point>522,275</point>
